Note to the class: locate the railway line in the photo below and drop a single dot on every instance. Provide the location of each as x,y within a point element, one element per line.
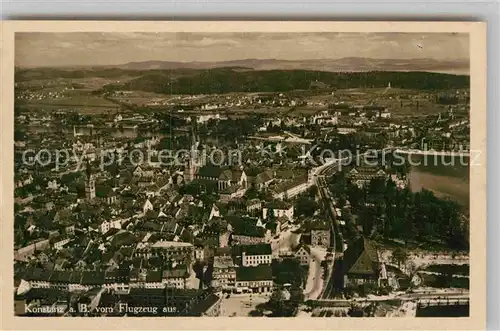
<point>324,194</point>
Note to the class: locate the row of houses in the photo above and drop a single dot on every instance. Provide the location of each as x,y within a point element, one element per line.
<point>120,280</point>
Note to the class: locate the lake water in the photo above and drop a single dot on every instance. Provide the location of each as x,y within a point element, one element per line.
<point>446,176</point>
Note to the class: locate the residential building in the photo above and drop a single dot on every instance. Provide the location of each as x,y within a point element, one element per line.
<point>253,255</point>
<point>176,277</point>
<point>223,272</point>
<point>303,254</point>
<point>256,279</point>
<point>362,176</point>
<point>279,209</point>
<point>173,251</point>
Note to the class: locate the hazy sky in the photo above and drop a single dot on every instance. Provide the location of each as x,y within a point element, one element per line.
<point>78,48</point>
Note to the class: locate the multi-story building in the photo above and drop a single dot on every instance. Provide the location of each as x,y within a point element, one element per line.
<point>224,272</point>
<point>244,230</point>
<point>362,176</point>
<point>255,279</point>
<point>176,277</point>
<point>278,209</point>
<point>253,255</point>
<point>173,251</point>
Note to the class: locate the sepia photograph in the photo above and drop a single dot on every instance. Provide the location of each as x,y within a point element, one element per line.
<point>260,174</point>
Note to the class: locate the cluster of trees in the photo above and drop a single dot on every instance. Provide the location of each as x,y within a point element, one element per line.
<point>232,129</point>
<point>225,80</point>
<point>387,211</point>
<point>306,204</point>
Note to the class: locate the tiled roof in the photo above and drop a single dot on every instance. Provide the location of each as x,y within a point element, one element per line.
<point>360,258</point>
<point>260,272</point>
<point>178,272</point>
<point>210,171</point>
<point>257,249</point>
<point>245,227</point>
<point>92,278</point>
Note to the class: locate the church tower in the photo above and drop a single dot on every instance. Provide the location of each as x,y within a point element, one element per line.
<point>89,184</point>
<point>194,161</point>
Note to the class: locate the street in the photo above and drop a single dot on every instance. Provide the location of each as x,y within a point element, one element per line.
<point>285,242</point>
<point>315,280</point>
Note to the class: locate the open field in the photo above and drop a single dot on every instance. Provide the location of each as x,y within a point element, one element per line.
<point>86,104</point>
<point>76,101</point>
<point>87,83</point>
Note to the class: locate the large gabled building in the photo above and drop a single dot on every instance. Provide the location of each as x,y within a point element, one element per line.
<point>362,176</point>
<point>361,264</point>
<point>224,177</point>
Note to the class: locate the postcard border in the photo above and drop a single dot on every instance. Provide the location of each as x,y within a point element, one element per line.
<point>477,319</point>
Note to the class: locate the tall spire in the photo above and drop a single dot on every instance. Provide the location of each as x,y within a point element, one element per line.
<point>88,170</point>
<point>194,132</point>
<point>89,183</point>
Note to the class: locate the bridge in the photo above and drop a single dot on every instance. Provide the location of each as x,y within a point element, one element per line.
<point>438,299</point>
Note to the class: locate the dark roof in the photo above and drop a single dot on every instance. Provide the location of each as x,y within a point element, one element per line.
<point>104,191</point>
<point>236,175</point>
<point>92,278</point>
<point>221,251</point>
<point>123,239</point>
<point>263,177</point>
<point>44,293</point>
<point>210,171</point>
<point>137,291</point>
<point>278,204</point>
<point>150,225</point>
<point>360,258</point>
<point>154,276</point>
<point>260,272</point>
<point>37,274</point>
<point>302,245</point>
<point>258,249</point>
<point>319,226</point>
<point>201,306</point>
<point>60,276</point>
<point>76,277</point>
<point>245,226</point>
<point>180,271</point>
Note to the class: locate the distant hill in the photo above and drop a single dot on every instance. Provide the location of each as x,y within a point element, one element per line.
<point>350,64</point>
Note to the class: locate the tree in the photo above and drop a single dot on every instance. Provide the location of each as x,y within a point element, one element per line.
<point>312,191</point>
<point>306,206</point>
<point>252,193</point>
<point>399,256</point>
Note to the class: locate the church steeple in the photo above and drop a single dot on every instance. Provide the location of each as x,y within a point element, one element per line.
<point>194,153</point>
<point>89,183</point>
